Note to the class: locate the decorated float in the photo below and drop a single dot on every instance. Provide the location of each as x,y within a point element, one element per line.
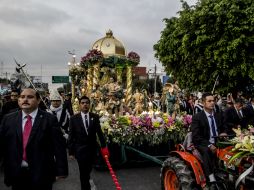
<point>129,118</point>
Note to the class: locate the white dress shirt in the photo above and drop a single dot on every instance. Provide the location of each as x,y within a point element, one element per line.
<point>211,140</point>
<point>24,119</point>
<point>84,120</point>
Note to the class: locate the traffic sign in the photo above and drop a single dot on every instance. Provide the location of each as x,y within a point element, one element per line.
<point>60,79</point>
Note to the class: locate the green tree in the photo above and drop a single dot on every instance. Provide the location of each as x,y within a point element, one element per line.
<point>4,80</point>
<point>212,38</point>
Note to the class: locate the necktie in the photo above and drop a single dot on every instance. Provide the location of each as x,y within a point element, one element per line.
<point>86,123</point>
<point>26,134</point>
<point>239,114</point>
<point>213,126</point>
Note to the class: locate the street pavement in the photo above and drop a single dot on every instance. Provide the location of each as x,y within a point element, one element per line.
<point>130,178</point>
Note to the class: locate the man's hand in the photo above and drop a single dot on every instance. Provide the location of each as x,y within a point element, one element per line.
<point>72,157</point>
<point>213,148</point>
<point>223,134</point>
<point>60,177</point>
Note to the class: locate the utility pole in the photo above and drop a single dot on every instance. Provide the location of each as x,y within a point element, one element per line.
<point>154,72</point>
<point>2,68</point>
<point>6,76</point>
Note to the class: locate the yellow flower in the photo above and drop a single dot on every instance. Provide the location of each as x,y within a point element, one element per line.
<point>238,131</point>
<point>156,124</point>
<point>128,121</point>
<point>238,145</point>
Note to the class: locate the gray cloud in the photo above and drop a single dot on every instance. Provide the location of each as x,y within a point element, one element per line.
<point>29,14</point>
<point>40,33</point>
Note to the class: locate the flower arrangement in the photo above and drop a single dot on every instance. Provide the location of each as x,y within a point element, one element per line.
<point>243,145</point>
<point>76,72</point>
<point>133,57</point>
<point>148,128</point>
<point>91,57</point>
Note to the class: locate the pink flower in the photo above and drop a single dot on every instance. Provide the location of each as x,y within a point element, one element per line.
<point>170,121</point>
<point>187,120</point>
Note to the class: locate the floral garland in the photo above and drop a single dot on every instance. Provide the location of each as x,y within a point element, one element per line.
<point>133,58</point>
<point>93,56</point>
<point>148,128</point>
<point>111,61</point>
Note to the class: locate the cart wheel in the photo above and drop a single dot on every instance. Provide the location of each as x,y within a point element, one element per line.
<point>176,175</point>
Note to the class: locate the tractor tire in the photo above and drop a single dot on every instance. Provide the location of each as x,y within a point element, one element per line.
<point>176,175</point>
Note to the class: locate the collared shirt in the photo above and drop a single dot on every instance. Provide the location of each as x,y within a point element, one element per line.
<point>83,118</point>
<point>211,140</point>
<point>24,119</point>
<point>239,112</point>
<point>33,115</point>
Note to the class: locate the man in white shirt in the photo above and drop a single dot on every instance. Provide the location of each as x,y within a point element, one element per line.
<point>32,146</point>
<point>205,126</point>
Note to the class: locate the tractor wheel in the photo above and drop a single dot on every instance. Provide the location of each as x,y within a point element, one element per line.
<point>176,175</point>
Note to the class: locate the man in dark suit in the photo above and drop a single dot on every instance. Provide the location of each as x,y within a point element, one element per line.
<point>32,146</point>
<point>82,140</point>
<point>68,104</point>
<point>250,112</point>
<point>12,105</point>
<point>235,117</point>
<point>205,125</point>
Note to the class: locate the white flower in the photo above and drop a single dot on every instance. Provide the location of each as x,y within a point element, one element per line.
<point>157,113</point>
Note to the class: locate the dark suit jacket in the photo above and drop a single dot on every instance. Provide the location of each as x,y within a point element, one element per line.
<point>200,128</point>
<point>250,115</point>
<point>46,153</point>
<point>231,120</point>
<point>81,145</point>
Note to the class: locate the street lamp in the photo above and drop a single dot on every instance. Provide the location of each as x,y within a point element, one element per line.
<point>72,64</point>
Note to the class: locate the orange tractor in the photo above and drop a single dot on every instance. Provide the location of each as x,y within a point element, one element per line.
<point>183,170</point>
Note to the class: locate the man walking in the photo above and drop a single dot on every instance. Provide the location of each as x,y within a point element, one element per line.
<point>82,140</point>
<point>32,146</point>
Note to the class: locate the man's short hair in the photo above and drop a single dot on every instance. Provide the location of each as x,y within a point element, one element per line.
<point>37,94</point>
<point>15,91</point>
<point>239,101</point>
<point>205,94</point>
<point>84,98</point>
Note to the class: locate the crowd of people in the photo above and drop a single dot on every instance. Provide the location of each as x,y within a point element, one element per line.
<point>37,132</point>
<point>213,120</point>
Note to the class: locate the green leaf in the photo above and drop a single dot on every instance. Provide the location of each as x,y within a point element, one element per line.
<point>237,158</point>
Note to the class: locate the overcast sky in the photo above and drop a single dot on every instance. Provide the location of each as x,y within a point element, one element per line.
<point>40,33</point>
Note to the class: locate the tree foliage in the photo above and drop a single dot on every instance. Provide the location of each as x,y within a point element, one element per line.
<point>212,38</point>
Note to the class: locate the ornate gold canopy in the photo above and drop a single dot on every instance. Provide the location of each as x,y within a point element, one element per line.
<point>109,45</point>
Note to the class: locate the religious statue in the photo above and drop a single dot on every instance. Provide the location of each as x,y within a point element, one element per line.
<point>113,104</point>
<point>105,77</point>
<point>170,100</point>
<point>95,98</point>
<point>138,100</point>
<point>111,86</point>
<point>157,102</point>
<point>145,99</point>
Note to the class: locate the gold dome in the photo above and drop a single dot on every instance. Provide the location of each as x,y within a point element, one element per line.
<point>109,45</point>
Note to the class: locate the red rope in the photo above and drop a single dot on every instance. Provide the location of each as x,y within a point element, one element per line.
<point>118,187</point>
